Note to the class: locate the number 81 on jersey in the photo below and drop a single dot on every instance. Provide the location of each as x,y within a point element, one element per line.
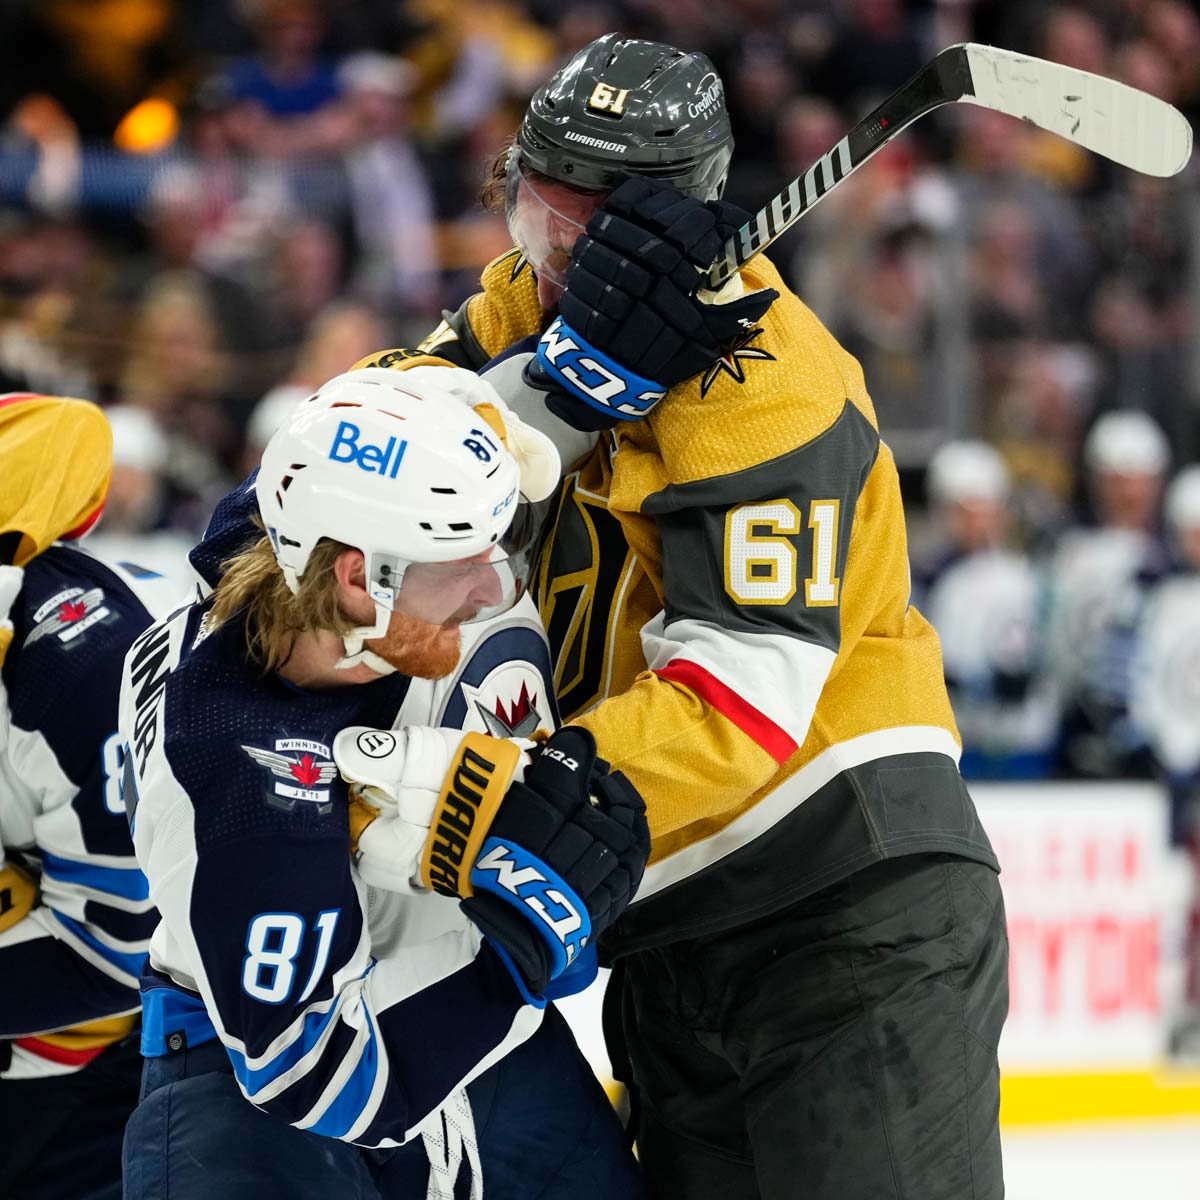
<point>761,562</point>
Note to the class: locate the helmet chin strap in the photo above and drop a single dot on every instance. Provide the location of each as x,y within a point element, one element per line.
<point>357,654</point>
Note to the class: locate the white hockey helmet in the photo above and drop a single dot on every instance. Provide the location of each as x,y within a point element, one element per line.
<point>966,471</point>
<point>1182,502</point>
<point>401,466</point>
<point>1127,441</point>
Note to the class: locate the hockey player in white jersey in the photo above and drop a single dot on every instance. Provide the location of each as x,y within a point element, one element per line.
<point>1166,707</point>
<point>1098,577</point>
<point>985,600</point>
<point>385,1043</point>
<point>75,916</point>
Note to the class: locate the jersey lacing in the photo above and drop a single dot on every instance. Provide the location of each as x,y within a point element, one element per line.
<point>450,1141</point>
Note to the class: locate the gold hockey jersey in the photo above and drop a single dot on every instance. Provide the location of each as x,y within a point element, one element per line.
<point>725,589</point>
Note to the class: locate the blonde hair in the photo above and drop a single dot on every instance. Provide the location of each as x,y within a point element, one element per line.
<point>161,371</point>
<point>252,582</point>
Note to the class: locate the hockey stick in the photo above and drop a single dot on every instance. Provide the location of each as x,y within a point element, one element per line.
<point>1125,125</point>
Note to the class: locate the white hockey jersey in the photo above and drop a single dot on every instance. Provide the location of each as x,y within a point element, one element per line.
<point>1166,676</point>
<point>986,608</point>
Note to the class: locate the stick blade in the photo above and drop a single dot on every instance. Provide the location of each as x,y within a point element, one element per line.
<point>1129,127</point>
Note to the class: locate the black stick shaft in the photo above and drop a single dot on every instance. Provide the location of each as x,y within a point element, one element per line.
<point>943,80</point>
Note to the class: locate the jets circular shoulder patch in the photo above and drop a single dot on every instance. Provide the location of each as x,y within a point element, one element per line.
<point>504,689</point>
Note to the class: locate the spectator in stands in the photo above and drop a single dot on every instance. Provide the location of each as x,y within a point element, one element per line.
<point>1036,422</point>
<point>288,76</point>
<point>307,267</point>
<point>984,600</point>
<point>391,200</point>
<point>341,333</point>
<point>177,371</point>
<point>134,529</point>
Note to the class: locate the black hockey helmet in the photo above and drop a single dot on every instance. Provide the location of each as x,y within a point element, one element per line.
<point>623,106</point>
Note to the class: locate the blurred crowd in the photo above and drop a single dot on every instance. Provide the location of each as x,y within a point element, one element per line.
<point>207,207</point>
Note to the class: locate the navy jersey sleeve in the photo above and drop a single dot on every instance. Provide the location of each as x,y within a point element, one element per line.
<point>80,951</point>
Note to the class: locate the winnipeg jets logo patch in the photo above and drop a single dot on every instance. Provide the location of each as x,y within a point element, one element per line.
<point>300,770</point>
<point>731,362</point>
<point>69,615</point>
<point>507,716</point>
<point>506,703</point>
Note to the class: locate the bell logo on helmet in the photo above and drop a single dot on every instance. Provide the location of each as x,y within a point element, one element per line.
<point>376,460</point>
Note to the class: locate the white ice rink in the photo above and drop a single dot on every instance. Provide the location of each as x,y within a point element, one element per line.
<point>1157,1160</point>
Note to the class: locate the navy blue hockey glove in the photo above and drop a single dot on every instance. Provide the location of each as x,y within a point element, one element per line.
<point>632,323</point>
<point>562,860</point>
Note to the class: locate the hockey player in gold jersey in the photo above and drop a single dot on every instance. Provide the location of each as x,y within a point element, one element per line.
<point>809,988</point>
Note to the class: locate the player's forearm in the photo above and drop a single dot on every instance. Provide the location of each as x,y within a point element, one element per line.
<point>48,986</point>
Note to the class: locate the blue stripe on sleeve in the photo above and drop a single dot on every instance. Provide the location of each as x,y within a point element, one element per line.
<point>254,1079</point>
<point>348,1104</point>
<point>130,963</point>
<point>167,1010</point>
<point>127,882</point>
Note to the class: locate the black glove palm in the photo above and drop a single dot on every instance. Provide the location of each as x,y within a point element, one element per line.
<point>632,288</point>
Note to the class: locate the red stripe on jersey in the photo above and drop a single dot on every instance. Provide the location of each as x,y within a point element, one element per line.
<point>773,739</point>
<point>83,525</point>
<point>59,1054</point>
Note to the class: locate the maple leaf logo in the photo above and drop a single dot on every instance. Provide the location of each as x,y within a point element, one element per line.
<point>71,612</point>
<point>306,771</point>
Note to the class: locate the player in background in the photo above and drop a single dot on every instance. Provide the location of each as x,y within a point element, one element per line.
<point>1165,705</point>
<point>1098,577</point>
<point>386,1045</point>
<point>811,982</point>
<point>75,914</point>
<point>985,601</point>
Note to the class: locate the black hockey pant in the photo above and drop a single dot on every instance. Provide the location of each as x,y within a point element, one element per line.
<point>841,1049</point>
<point>60,1137</point>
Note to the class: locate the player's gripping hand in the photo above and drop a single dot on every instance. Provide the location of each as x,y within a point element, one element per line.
<point>634,319</point>
<point>421,801</point>
<point>561,861</point>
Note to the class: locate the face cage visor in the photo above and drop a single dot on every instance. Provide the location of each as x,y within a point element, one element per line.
<point>462,590</point>
<point>545,217</point>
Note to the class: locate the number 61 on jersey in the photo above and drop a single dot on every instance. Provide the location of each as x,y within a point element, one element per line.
<point>761,561</point>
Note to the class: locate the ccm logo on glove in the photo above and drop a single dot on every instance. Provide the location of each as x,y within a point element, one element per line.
<point>593,376</point>
<point>518,876</point>
<point>558,756</point>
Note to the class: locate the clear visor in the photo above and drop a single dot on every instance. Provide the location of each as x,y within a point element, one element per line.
<point>545,218</point>
<point>462,590</point>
